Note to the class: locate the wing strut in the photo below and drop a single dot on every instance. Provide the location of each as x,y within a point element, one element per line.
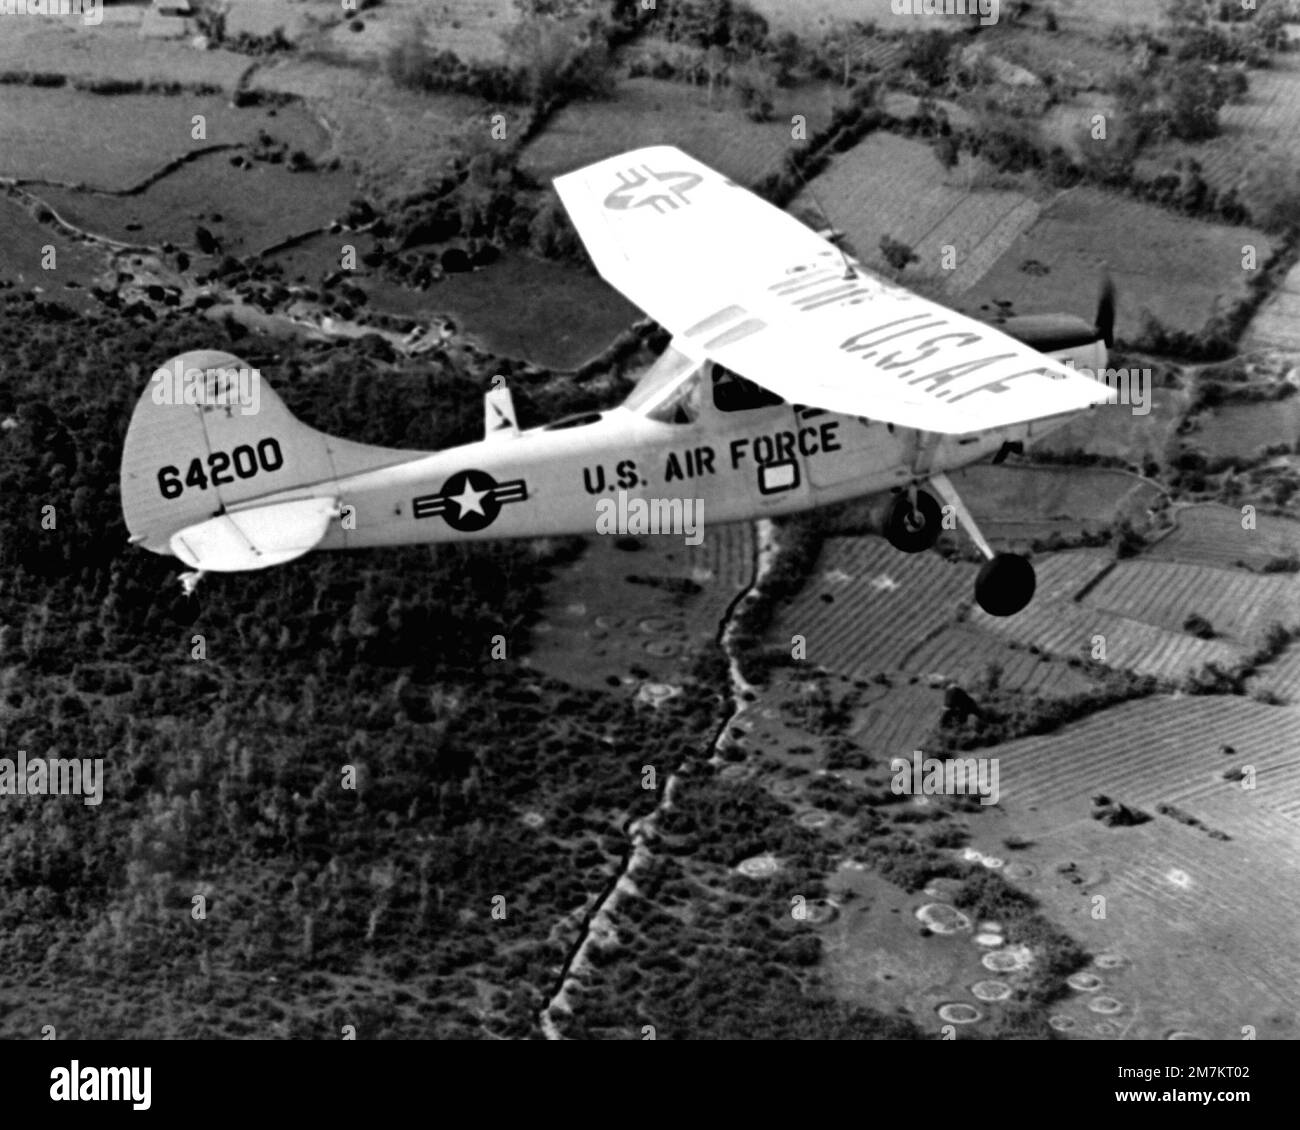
<point>946,491</point>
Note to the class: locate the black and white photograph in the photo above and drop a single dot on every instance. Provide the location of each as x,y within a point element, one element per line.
<point>650,520</point>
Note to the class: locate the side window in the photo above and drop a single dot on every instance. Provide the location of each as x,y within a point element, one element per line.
<point>682,406</point>
<point>733,393</point>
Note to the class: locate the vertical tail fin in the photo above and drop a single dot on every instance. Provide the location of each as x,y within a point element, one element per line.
<point>207,439</point>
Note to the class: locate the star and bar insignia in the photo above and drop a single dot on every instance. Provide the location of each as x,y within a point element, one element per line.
<point>645,188</point>
<point>469,500</point>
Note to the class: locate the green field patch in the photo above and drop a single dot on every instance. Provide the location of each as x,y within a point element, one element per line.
<point>1246,429</point>
<point>259,205</point>
<point>894,186</point>
<point>554,315</point>
<point>116,142</point>
<point>647,111</point>
<point>1180,269</point>
<point>1027,502</point>
<point>25,243</point>
<point>1211,533</point>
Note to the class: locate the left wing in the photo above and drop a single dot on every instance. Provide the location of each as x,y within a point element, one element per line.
<point>740,282</point>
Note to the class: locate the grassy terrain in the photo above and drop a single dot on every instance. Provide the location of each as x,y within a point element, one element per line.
<point>112,51</point>
<point>68,136</point>
<point>76,265</point>
<point>895,186</point>
<point>1180,270</point>
<point>259,205</point>
<point>647,111</point>
<point>1177,898</point>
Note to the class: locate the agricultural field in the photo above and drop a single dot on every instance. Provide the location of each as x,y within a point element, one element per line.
<point>647,111</point>
<point>552,314</point>
<point>1180,269</point>
<point>1117,429</point>
<point>1240,606</point>
<point>648,609</point>
<point>1261,126</point>
<point>1096,17</point>
<point>1280,678</point>
<point>470,28</point>
<point>909,609</point>
<point>112,51</point>
<point>1277,322</point>
<point>1177,897</point>
<point>1071,629</point>
<point>865,595</point>
<point>869,605</point>
<point>396,141</point>
<point>1022,503</point>
<point>895,186</point>
<point>295,18</point>
<point>1246,429</point>
<point>258,205</point>
<point>965,655</point>
<point>77,265</point>
<point>73,137</point>
<point>816,19</point>
<point>1211,534</point>
<point>893,721</point>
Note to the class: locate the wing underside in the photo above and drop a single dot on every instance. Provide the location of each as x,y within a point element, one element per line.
<point>742,283</point>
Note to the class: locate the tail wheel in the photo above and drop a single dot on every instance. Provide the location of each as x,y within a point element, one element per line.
<point>1005,584</point>
<point>913,529</point>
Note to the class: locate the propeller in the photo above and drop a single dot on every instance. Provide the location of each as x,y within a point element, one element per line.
<point>1105,324</point>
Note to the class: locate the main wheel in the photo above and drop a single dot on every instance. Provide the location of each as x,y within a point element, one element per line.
<point>1005,584</point>
<point>913,529</point>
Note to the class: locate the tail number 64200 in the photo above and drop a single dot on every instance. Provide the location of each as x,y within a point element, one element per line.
<point>245,461</point>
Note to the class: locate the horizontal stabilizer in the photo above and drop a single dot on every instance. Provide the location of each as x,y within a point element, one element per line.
<point>255,538</point>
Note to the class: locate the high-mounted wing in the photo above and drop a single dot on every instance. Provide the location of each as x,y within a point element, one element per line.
<point>738,281</point>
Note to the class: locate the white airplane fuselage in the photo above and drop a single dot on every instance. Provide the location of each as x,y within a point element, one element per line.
<point>546,481</point>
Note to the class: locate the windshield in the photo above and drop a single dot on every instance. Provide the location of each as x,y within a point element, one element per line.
<point>659,381</point>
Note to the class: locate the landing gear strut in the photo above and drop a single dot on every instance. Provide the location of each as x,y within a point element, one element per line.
<point>913,528</point>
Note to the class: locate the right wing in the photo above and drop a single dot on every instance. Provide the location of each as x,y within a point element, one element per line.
<point>740,282</point>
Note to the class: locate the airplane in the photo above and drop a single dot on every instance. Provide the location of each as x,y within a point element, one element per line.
<point>793,378</point>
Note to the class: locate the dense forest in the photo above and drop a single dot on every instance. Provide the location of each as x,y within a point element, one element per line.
<point>326,804</point>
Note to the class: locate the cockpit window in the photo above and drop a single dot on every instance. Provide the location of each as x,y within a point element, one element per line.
<point>734,393</point>
<point>681,406</point>
<point>670,367</point>
<point>670,390</point>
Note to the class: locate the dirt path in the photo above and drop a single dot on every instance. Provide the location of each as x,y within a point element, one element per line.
<point>599,926</point>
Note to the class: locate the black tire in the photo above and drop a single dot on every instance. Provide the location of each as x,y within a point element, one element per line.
<point>1005,584</point>
<point>913,530</point>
